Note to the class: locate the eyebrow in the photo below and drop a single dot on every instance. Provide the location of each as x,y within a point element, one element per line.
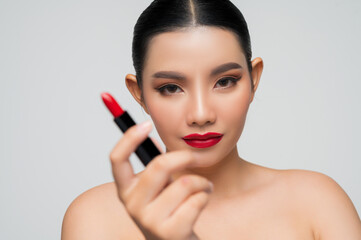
<point>169,74</point>
<point>180,77</point>
<point>225,67</point>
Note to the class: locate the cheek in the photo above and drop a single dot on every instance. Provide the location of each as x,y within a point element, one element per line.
<point>232,112</point>
<point>166,115</point>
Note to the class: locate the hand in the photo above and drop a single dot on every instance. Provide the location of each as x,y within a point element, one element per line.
<point>162,208</point>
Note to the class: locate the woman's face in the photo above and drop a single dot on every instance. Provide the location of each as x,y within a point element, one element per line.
<point>197,81</point>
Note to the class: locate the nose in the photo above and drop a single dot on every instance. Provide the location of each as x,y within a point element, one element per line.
<point>200,111</point>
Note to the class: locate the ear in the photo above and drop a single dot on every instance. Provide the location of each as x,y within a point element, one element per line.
<point>132,85</point>
<point>257,68</point>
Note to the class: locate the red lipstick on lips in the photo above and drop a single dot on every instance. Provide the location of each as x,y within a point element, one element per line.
<point>203,141</point>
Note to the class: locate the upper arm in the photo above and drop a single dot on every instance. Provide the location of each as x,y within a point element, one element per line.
<point>98,214</point>
<point>331,211</point>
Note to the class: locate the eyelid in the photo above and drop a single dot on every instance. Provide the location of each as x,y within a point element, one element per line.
<point>230,76</point>
<point>168,84</point>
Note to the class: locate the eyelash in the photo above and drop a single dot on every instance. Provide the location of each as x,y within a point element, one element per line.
<point>166,87</point>
<point>232,80</point>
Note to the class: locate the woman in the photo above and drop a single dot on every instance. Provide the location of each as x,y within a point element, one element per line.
<point>195,78</point>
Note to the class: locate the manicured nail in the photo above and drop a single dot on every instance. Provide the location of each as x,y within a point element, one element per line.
<point>144,127</point>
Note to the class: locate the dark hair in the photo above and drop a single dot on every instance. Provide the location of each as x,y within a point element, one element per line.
<point>172,15</point>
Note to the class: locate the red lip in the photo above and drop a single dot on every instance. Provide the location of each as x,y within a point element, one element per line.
<point>203,141</point>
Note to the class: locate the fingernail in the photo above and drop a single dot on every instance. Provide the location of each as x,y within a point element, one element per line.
<point>144,127</point>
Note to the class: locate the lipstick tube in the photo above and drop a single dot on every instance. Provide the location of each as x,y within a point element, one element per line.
<point>146,151</point>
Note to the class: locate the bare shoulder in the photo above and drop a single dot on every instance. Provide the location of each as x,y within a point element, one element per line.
<point>313,182</point>
<point>314,186</point>
<point>330,210</point>
<point>98,214</point>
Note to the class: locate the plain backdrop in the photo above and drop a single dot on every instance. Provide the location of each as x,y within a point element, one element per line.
<point>56,57</point>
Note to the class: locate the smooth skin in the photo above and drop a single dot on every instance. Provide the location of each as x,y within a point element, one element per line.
<point>211,193</point>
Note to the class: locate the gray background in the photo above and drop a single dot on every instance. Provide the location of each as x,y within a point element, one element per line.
<point>56,57</point>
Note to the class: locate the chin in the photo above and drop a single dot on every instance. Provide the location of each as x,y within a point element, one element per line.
<point>213,156</point>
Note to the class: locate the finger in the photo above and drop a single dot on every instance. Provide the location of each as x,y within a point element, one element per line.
<point>187,214</point>
<point>158,174</point>
<point>177,192</point>
<point>122,169</point>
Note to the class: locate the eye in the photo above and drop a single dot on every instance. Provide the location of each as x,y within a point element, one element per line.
<point>169,89</point>
<point>227,82</point>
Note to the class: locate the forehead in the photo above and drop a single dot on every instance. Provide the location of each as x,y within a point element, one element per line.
<point>195,48</point>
